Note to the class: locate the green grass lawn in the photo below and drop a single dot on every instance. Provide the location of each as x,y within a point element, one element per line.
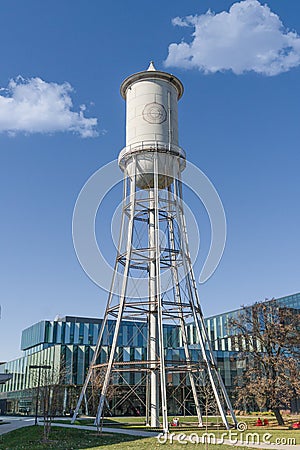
<point>63,438</point>
<point>29,438</point>
<point>188,422</point>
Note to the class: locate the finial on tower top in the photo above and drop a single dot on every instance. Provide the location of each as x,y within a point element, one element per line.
<point>151,66</point>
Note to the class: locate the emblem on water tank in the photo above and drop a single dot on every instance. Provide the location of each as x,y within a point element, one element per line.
<point>154,113</point>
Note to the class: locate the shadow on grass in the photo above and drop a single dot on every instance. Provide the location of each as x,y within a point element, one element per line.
<point>63,438</point>
<point>138,423</point>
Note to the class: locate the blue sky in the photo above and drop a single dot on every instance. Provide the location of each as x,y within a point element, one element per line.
<point>238,122</point>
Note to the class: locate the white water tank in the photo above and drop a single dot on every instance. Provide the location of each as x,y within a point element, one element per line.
<point>152,126</point>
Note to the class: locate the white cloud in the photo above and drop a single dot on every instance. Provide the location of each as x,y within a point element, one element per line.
<point>250,37</point>
<point>35,106</point>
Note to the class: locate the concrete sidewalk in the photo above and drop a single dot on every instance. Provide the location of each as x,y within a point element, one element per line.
<point>147,434</point>
<point>10,423</point>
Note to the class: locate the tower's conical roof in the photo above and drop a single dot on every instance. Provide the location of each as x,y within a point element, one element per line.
<point>151,73</point>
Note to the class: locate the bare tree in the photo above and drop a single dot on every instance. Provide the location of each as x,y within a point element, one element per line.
<point>96,382</point>
<point>51,392</point>
<point>268,337</point>
<point>207,397</point>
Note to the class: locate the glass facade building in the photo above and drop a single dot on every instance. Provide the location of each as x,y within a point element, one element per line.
<point>71,341</point>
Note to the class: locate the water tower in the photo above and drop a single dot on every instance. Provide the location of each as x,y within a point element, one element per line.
<point>153,282</point>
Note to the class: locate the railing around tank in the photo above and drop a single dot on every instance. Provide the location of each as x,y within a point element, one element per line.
<point>150,146</point>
